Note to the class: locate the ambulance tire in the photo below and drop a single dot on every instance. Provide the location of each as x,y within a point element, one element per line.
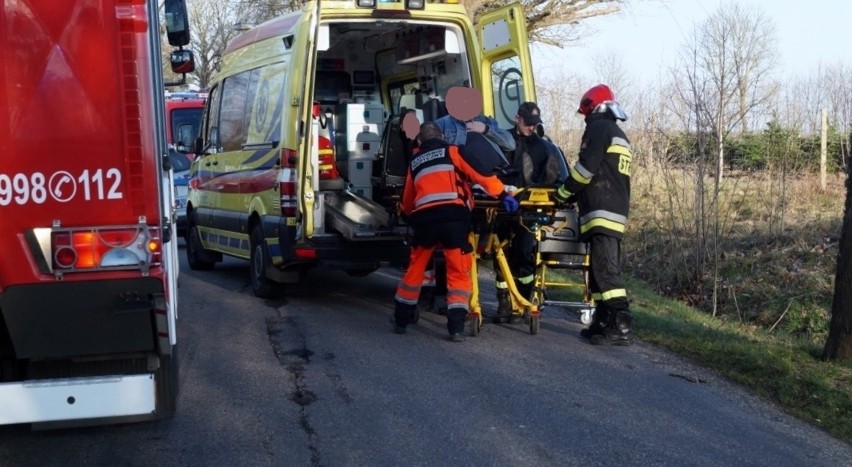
<point>196,254</point>
<point>167,385</point>
<point>262,286</point>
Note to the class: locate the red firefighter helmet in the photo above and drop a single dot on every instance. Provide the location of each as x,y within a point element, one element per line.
<point>594,97</point>
<point>598,99</point>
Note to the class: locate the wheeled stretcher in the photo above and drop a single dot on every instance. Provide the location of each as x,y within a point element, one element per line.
<point>558,247</point>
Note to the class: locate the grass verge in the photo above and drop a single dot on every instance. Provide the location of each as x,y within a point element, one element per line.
<point>779,368</point>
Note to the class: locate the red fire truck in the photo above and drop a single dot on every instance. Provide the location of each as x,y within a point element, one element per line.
<point>88,276</point>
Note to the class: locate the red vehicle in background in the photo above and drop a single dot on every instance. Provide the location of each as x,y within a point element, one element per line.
<point>88,281</point>
<point>183,118</point>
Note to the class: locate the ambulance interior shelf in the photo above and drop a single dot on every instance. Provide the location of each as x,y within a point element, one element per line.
<point>425,43</point>
<point>358,130</point>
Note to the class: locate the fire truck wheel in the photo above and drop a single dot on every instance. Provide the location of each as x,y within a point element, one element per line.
<point>196,255</point>
<point>262,286</point>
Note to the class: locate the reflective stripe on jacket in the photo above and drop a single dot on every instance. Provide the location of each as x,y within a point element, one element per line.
<point>439,176</point>
<point>601,178</point>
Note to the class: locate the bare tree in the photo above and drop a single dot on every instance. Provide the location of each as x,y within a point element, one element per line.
<point>545,17</point>
<point>611,70</point>
<point>734,52</point>
<point>254,12</point>
<point>559,109</point>
<point>837,90</point>
<point>791,112</point>
<point>723,76</point>
<point>691,89</point>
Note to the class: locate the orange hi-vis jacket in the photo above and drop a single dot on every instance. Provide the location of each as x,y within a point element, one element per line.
<point>439,176</point>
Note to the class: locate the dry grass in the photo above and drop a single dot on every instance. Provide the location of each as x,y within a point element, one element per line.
<point>774,283</point>
<point>776,254</point>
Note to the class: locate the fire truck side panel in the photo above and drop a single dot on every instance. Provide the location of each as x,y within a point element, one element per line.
<point>80,318</point>
<point>80,147</point>
<point>87,311</point>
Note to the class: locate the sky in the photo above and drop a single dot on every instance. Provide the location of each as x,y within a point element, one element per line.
<point>648,35</point>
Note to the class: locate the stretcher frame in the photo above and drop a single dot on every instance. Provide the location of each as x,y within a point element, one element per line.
<point>538,212</point>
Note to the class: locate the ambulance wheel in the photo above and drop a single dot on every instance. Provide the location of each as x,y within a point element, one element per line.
<point>196,255</point>
<point>262,286</point>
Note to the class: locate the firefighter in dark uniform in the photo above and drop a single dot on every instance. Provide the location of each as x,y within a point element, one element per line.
<point>437,201</point>
<point>600,185</point>
<point>527,167</point>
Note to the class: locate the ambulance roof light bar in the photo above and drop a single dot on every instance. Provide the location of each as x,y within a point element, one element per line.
<point>409,4</point>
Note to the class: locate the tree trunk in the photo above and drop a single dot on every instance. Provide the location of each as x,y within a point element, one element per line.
<point>823,150</point>
<point>720,154</point>
<point>838,346</point>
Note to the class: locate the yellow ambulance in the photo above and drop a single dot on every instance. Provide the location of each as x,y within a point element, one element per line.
<point>301,160</point>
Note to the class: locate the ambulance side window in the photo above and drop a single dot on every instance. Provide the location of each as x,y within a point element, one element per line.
<point>232,121</point>
<point>257,101</point>
<point>211,122</point>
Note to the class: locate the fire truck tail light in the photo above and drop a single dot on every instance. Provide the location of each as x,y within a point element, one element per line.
<point>105,248</point>
<point>65,257</point>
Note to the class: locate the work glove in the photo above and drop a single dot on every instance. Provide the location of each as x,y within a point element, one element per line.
<point>510,204</point>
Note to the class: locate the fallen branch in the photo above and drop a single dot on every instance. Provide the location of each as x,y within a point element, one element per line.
<point>782,314</point>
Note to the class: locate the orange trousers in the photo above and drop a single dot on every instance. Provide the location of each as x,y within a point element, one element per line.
<point>458,277</point>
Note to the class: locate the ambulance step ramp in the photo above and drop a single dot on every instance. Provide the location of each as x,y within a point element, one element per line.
<point>357,217</point>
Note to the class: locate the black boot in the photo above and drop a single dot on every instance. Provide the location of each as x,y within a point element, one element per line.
<point>600,320</point>
<point>619,332</point>
<point>504,306</point>
<point>426,300</point>
<point>402,316</point>
<point>455,323</point>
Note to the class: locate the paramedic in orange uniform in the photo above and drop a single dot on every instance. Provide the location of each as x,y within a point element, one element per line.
<point>437,202</point>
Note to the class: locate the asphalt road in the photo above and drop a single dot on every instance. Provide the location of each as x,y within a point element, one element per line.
<point>318,378</point>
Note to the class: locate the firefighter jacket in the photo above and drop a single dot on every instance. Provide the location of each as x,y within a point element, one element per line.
<point>601,178</point>
<point>438,185</point>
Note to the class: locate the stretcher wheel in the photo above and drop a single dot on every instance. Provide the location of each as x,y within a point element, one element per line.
<point>586,315</point>
<point>537,298</point>
<point>474,324</point>
<point>535,321</point>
